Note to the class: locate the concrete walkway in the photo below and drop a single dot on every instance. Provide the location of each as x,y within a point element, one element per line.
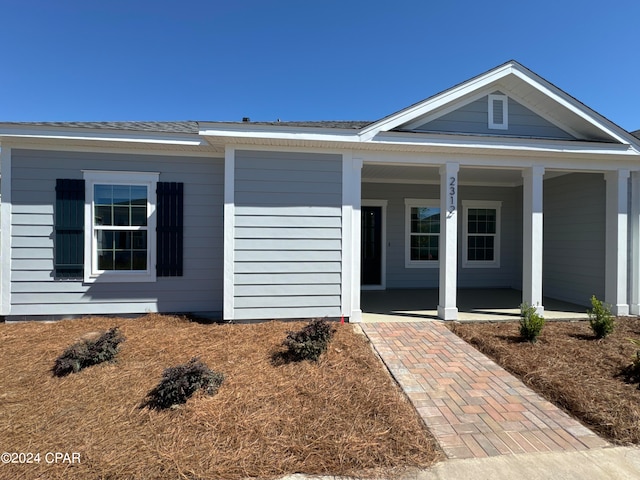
<point>619,463</point>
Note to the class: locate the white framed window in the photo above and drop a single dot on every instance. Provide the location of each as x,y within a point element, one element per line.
<point>481,240</point>
<point>498,112</point>
<point>120,226</point>
<point>422,233</point>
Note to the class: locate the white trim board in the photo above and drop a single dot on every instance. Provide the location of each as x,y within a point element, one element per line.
<point>5,231</point>
<point>228,290</point>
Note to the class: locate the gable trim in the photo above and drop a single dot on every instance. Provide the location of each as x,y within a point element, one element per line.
<point>432,103</point>
<point>441,113</point>
<point>492,78</point>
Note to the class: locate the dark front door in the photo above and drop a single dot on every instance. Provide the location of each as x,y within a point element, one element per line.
<point>371,254</point>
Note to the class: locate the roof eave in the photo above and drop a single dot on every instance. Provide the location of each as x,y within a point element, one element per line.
<point>516,144</point>
<point>13,133</point>
<point>234,130</point>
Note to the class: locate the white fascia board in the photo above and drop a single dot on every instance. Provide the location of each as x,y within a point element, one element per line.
<point>107,146</point>
<point>567,162</point>
<point>11,132</point>
<point>281,133</point>
<point>565,100</point>
<point>429,117</point>
<point>500,143</point>
<point>439,100</point>
<point>476,86</point>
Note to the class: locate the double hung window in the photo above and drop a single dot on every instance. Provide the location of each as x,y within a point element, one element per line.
<point>120,219</point>
<point>481,233</point>
<point>422,220</point>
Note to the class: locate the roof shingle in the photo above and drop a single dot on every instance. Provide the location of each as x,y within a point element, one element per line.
<point>188,127</point>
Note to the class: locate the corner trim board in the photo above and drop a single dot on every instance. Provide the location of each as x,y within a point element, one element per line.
<point>5,231</point>
<point>228,312</point>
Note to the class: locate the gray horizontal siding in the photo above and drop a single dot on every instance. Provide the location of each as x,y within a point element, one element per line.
<point>286,312</point>
<point>288,230</point>
<point>286,278</point>
<point>273,244</point>
<point>574,237</point>
<point>284,290</point>
<point>398,276</point>
<point>34,290</point>
<point>300,232</point>
<point>288,255</point>
<point>474,118</point>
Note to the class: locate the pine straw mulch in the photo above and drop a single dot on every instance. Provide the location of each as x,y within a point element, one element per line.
<point>569,367</point>
<point>342,415</point>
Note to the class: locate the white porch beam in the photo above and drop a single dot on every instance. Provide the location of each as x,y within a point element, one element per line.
<point>447,308</point>
<point>351,202</point>
<point>634,281</point>
<point>615,270</point>
<point>532,237</point>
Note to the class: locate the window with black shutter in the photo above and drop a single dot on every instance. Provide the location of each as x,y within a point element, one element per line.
<point>70,231</point>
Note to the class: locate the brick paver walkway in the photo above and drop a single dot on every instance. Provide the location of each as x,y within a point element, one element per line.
<point>473,407</point>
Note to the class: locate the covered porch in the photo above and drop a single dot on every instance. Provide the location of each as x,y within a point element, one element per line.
<point>474,304</point>
<point>581,251</point>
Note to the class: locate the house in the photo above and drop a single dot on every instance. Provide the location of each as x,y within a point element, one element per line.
<point>503,181</point>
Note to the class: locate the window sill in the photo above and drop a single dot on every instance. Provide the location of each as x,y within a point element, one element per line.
<point>481,265</point>
<point>424,264</point>
<point>120,278</point>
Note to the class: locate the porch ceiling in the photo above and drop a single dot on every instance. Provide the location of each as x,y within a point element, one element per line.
<point>419,174</point>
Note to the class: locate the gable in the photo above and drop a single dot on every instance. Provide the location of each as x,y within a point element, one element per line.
<point>474,118</point>
<point>540,111</point>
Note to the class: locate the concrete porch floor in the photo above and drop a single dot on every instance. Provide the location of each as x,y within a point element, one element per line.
<point>473,304</point>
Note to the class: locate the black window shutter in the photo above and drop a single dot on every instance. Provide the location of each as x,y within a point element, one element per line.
<point>170,229</point>
<point>69,229</point>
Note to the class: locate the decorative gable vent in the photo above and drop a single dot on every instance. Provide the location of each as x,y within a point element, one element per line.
<point>498,112</point>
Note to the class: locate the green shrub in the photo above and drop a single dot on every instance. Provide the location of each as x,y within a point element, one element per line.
<point>180,382</point>
<point>309,342</point>
<point>634,368</point>
<point>88,352</point>
<point>531,323</point>
<point>600,318</point>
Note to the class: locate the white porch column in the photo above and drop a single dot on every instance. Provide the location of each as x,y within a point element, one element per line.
<point>351,201</point>
<point>447,309</point>
<point>615,270</point>
<point>532,238</point>
<point>634,286</point>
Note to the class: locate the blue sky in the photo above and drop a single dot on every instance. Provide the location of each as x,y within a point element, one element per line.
<point>63,60</point>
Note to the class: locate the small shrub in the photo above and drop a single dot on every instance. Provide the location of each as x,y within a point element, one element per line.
<point>180,382</point>
<point>531,323</point>
<point>634,368</point>
<point>88,352</point>
<point>309,342</point>
<point>600,318</point>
